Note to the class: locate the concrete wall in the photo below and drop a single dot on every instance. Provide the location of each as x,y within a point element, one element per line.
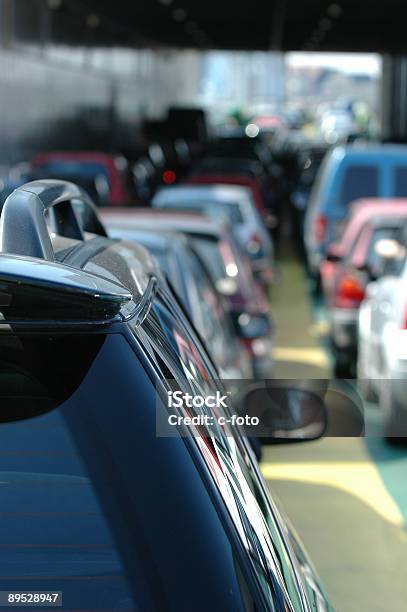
<point>54,96</point>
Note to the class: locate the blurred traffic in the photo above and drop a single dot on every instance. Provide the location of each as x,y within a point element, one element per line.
<point>218,205</point>
<point>225,217</point>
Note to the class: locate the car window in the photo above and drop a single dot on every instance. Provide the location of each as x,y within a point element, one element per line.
<point>90,497</point>
<point>358,182</point>
<point>230,210</point>
<point>227,458</point>
<point>400,182</point>
<point>224,259</point>
<point>53,526</point>
<point>208,249</point>
<point>216,327</point>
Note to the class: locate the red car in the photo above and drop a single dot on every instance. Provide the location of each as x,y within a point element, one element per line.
<point>350,265</point>
<point>104,176</point>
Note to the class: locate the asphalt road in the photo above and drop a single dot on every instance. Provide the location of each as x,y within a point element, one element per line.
<point>347,497</point>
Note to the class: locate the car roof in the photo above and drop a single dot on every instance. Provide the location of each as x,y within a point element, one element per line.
<point>365,208</point>
<point>371,210</point>
<point>156,238</point>
<point>368,150</point>
<point>84,156</point>
<point>151,218</point>
<point>373,204</point>
<point>218,191</point>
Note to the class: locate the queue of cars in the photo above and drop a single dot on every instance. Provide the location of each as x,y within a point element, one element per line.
<point>124,463</point>
<point>133,340</point>
<point>355,232</point>
<point>347,174</point>
<point>213,227</point>
<point>237,205</point>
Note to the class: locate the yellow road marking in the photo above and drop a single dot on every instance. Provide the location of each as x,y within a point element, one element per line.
<point>356,478</point>
<point>312,356</point>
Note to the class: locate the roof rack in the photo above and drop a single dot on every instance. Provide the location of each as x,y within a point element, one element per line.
<point>23,227</point>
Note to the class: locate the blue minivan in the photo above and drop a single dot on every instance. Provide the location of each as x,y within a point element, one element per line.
<point>346,174</point>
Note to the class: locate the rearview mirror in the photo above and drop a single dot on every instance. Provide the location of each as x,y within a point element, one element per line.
<point>285,413</point>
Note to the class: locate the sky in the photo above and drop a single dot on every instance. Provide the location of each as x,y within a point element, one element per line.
<point>351,63</point>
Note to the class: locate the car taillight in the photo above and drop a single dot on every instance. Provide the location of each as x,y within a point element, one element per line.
<point>320,225</point>
<point>350,289</point>
<point>169,177</point>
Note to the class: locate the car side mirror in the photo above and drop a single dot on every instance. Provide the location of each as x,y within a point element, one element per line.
<point>285,414</point>
<point>250,327</point>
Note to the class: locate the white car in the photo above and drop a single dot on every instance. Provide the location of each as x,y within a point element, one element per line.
<point>382,341</point>
<point>235,203</point>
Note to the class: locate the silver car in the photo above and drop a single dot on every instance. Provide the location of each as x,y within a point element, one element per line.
<point>235,203</point>
<point>382,339</point>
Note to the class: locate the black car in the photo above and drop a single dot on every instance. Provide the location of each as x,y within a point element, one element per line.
<point>190,279</point>
<point>105,503</point>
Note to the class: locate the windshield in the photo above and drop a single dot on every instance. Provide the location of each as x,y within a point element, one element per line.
<point>358,182</point>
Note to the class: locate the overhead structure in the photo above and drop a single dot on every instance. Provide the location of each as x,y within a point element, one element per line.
<point>288,25</point>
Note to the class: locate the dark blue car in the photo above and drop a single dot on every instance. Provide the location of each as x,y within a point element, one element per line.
<point>102,497</point>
